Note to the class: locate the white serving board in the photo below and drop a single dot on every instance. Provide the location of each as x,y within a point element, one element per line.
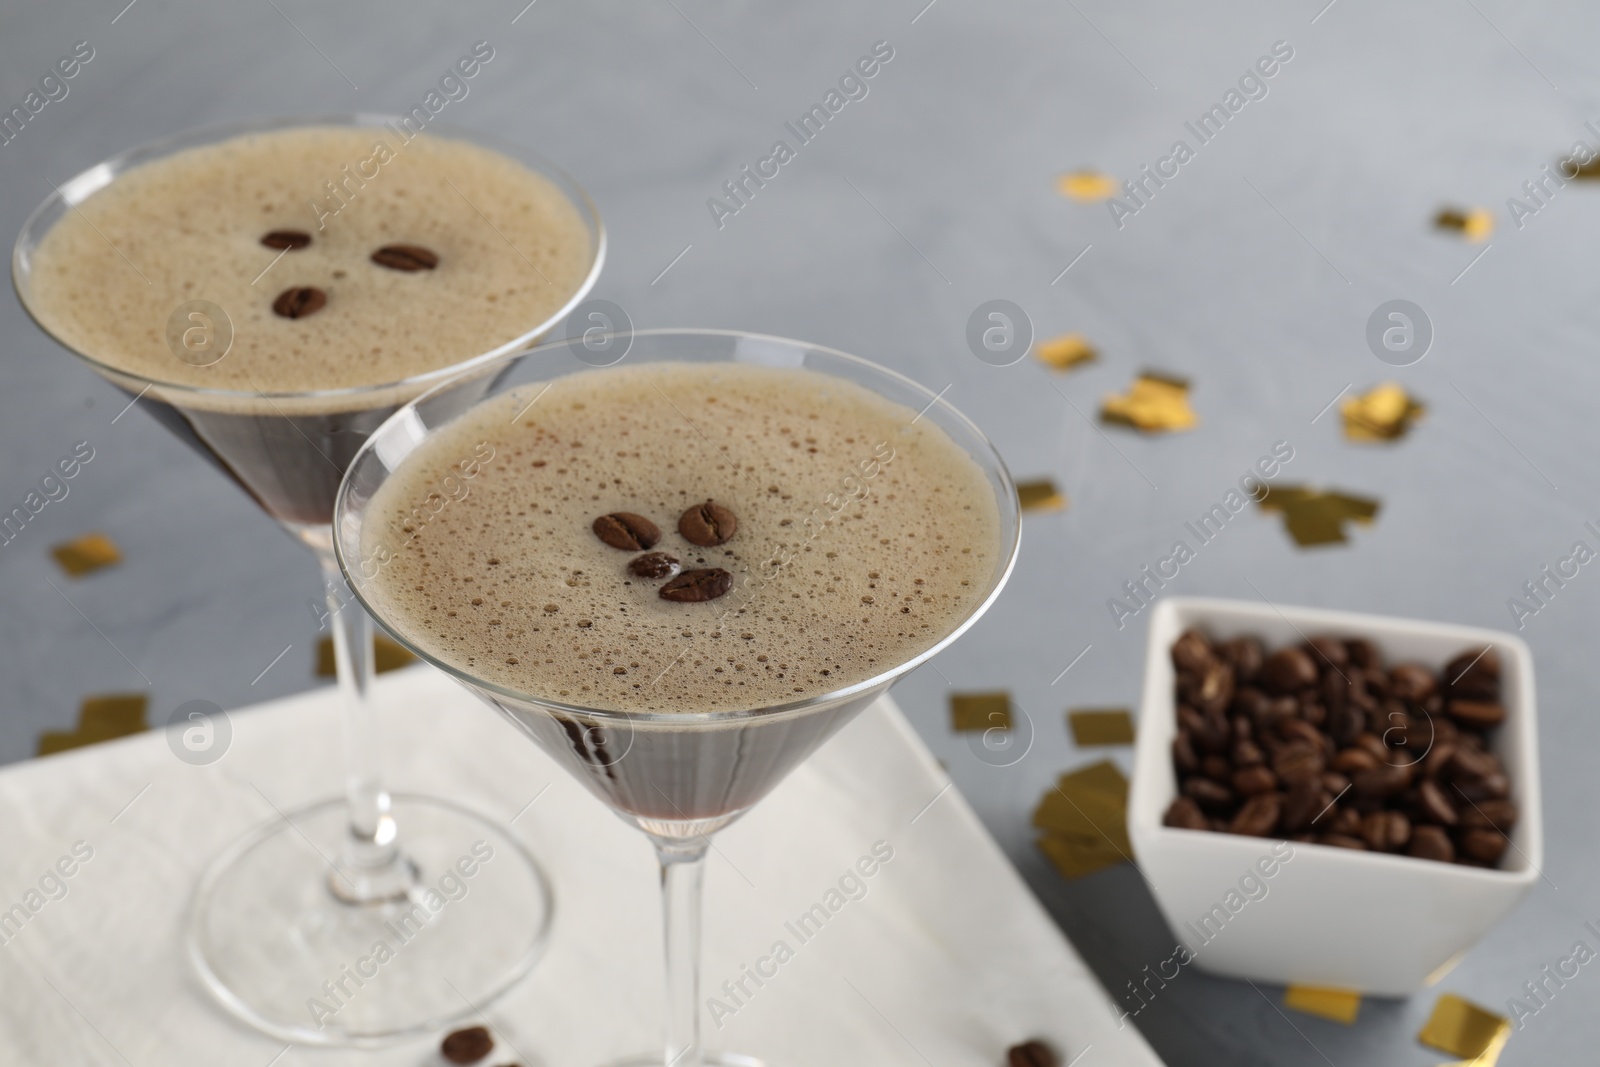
<point>946,960</point>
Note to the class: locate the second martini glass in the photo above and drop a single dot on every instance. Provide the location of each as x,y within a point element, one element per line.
<point>285,924</point>
<point>677,775</point>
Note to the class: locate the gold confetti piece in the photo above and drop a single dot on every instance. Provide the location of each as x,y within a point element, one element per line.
<point>100,718</point>
<point>1461,1028</point>
<point>1155,403</point>
<point>387,655</point>
<point>1313,517</point>
<point>980,711</point>
<point>1072,861</point>
<point>1041,495</point>
<point>1091,802</point>
<point>1384,414</point>
<point>1087,185</point>
<point>1101,726</point>
<point>1475,224</point>
<point>86,554</point>
<point>1340,1005</point>
<point>1065,352</point>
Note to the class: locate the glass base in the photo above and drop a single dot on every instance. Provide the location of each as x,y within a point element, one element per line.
<point>712,1059</point>
<point>275,946</point>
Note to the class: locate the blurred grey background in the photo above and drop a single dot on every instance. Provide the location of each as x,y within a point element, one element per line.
<point>1252,272</point>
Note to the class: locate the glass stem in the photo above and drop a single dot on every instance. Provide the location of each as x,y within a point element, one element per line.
<point>371,868</point>
<point>683,868</point>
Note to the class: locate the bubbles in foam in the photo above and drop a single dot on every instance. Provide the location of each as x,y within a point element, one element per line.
<point>863,538</point>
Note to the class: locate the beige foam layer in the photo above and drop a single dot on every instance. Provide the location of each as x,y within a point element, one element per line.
<point>863,538</point>
<point>512,250</point>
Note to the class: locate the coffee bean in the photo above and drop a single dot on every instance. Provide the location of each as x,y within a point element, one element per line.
<point>1214,766</point>
<point>1438,758</point>
<point>1491,814</point>
<point>1434,805</point>
<point>627,531</point>
<point>1288,670</point>
<point>1245,655</point>
<point>1209,794</point>
<point>1298,762</point>
<point>653,565</point>
<point>1183,754</point>
<point>1210,732</point>
<point>408,258</point>
<point>1373,744</point>
<point>1328,652</point>
<point>286,239</point>
<point>1250,781</point>
<point>697,586</point>
<point>707,524</point>
<point>1243,729</point>
<point>299,301</point>
<point>1212,688</point>
<point>1342,841</point>
<point>1476,714</point>
<point>467,1046</point>
<point>1342,820</point>
<point>1471,676</point>
<point>1335,783</point>
<point>1031,1054</point>
<point>1490,787</point>
<point>1485,845</point>
<point>1411,681</point>
<point>1364,654</point>
<point>1469,763</point>
<point>1353,760</point>
<point>1380,783</point>
<point>1191,651</point>
<point>1259,816</point>
<point>1250,702</point>
<point>1431,843</point>
<point>1386,831</point>
<point>1246,753</point>
<point>1304,802</point>
<point>1185,814</point>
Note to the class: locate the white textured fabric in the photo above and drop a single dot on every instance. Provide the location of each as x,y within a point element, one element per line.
<point>945,961</point>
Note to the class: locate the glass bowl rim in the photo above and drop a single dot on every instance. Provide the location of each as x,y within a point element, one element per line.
<point>1004,564</point>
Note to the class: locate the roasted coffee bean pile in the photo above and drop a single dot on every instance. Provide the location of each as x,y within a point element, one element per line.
<point>704,525</point>
<point>1321,742</point>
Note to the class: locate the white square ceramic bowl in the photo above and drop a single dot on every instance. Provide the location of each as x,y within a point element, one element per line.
<point>1380,924</point>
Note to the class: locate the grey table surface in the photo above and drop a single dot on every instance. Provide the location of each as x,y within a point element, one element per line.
<point>1253,272</point>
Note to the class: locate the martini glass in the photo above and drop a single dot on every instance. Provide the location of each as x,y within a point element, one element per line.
<point>677,776</point>
<point>284,922</point>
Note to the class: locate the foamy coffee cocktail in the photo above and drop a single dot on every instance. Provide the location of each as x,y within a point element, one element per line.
<point>683,538</point>
<point>347,263</point>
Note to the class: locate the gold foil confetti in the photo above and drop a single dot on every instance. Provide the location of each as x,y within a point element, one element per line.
<point>1086,185</point>
<point>86,554</point>
<point>1155,403</point>
<point>1385,413</point>
<point>1461,1028</point>
<point>1340,1005</point>
<point>1084,820</point>
<point>1065,352</point>
<point>1475,224</point>
<point>1314,517</point>
<point>100,718</point>
<point>387,655</point>
<point>980,711</point>
<point>1101,726</point>
<point>1040,495</point>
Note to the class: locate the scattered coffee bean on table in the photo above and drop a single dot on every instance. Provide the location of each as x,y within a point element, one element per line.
<point>299,301</point>
<point>466,1046</point>
<point>697,586</point>
<point>1321,743</point>
<point>408,258</point>
<point>286,240</point>
<point>707,525</point>
<point>1031,1054</point>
